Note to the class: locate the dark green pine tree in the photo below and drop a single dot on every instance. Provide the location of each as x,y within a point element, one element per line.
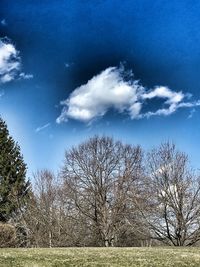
<point>13,185</point>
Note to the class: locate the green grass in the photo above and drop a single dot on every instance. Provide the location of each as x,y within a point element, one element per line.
<point>117,257</point>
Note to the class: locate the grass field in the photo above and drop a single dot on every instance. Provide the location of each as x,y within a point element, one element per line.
<point>118,257</point>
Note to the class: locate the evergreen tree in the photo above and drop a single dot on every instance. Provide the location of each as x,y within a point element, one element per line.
<point>13,185</point>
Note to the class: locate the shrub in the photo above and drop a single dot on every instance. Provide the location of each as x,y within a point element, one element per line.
<point>7,235</point>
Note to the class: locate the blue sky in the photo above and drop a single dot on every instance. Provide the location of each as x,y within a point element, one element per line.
<point>70,69</point>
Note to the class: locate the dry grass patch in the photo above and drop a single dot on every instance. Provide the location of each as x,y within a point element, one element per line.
<point>106,257</point>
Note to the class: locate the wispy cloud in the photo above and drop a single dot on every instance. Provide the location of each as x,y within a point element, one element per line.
<point>2,93</point>
<point>68,64</point>
<point>192,111</point>
<point>116,88</point>
<point>174,101</point>
<point>41,128</point>
<point>3,22</point>
<point>25,76</point>
<point>10,62</point>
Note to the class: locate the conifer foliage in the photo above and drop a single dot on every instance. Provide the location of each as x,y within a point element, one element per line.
<point>13,185</point>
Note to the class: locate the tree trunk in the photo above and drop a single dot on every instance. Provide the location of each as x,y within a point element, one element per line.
<point>50,239</point>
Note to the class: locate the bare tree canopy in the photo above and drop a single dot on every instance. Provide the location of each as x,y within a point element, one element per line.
<point>110,194</point>
<point>173,207</point>
<point>99,174</point>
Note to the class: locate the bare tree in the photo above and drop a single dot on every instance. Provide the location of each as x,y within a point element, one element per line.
<point>41,216</point>
<point>172,203</point>
<point>50,218</point>
<point>98,175</point>
<point>106,196</point>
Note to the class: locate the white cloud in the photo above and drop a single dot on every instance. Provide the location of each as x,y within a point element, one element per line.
<point>10,62</point>
<point>104,91</point>
<point>41,128</point>
<point>110,89</point>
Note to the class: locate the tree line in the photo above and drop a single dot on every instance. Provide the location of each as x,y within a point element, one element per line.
<point>107,193</point>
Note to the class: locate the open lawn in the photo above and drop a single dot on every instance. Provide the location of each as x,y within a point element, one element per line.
<point>140,257</point>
